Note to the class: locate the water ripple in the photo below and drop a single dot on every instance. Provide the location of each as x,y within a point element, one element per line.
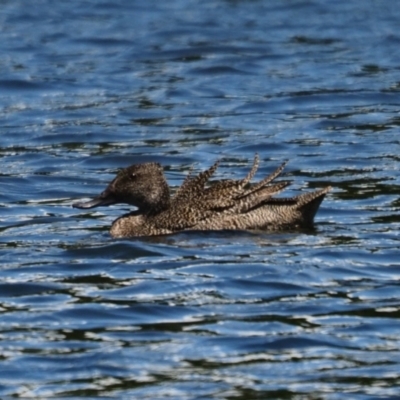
<point>90,88</point>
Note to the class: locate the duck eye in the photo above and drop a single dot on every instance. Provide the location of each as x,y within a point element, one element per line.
<point>133,176</point>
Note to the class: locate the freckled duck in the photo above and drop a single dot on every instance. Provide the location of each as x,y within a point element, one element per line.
<point>228,204</point>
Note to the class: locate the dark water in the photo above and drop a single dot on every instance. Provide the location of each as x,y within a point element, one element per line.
<point>88,87</point>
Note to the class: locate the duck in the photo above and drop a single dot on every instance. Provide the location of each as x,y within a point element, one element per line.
<point>201,205</point>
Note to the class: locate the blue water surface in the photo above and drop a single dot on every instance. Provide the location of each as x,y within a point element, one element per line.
<point>89,87</point>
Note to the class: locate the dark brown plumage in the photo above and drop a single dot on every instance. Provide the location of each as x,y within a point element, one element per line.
<point>230,204</point>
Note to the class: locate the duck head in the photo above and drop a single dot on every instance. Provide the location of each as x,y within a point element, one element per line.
<point>143,186</point>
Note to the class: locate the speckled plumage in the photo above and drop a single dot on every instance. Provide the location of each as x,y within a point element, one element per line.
<point>230,204</point>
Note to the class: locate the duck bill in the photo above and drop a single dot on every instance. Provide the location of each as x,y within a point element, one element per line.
<point>96,202</point>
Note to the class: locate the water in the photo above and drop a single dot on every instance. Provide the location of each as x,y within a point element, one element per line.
<point>89,87</point>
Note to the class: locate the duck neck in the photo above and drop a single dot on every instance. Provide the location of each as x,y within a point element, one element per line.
<point>160,204</point>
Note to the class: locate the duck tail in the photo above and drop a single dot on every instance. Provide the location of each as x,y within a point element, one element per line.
<point>308,204</point>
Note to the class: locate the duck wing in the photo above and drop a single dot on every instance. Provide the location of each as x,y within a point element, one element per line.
<point>273,214</point>
<point>193,202</point>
